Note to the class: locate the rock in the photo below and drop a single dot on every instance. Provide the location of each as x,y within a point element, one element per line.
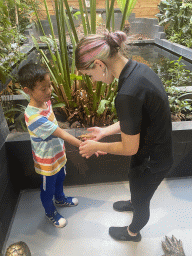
<point>76,125</point>
<point>64,125</point>
<point>175,118</point>
<point>189,117</point>
<point>13,130</point>
<point>18,249</point>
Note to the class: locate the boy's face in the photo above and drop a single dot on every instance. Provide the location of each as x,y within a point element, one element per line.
<point>41,93</point>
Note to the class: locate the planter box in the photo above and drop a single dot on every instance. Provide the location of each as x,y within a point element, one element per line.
<point>79,170</point>
<point>178,49</point>
<point>106,168</point>
<point>8,196</point>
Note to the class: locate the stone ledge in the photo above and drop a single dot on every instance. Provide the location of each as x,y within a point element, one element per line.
<point>175,48</point>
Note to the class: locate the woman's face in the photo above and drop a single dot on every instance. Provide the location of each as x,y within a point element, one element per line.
<point>99,73</point>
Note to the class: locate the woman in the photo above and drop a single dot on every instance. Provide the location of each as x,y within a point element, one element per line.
<point>144,124</point>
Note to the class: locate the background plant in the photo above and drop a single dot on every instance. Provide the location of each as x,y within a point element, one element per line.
<point>126,8</point>
<point>174,75</point>
<point>176,17</point>
<point>15,17</point>
<point>9,38</point>
<point>77,96</point>
<point>21,14</point>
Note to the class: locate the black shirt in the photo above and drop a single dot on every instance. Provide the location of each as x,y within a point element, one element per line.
<point>142,107</point>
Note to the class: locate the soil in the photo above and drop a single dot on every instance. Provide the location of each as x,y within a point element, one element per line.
<point>101,29</point>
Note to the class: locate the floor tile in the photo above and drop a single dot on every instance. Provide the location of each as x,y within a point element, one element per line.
<point>87,227</point>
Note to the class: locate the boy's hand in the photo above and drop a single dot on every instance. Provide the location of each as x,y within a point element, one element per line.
<point>88,148</point>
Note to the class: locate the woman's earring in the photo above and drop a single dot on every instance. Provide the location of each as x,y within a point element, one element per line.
<point>105,71</point>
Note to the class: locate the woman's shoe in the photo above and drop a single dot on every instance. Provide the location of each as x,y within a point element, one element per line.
<point>122,206</point>
<point>121,234</point>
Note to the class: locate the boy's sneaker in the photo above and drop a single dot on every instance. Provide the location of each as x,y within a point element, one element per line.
<point>57,220</point>
<point>67,201</point>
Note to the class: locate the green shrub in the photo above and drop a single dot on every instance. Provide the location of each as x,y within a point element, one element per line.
<point>176,17</point>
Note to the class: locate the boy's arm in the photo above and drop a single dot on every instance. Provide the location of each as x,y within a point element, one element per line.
<point>66,137</point>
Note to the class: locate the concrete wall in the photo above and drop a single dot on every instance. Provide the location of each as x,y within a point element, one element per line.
<point>8,196</point>
<point>146,26</point>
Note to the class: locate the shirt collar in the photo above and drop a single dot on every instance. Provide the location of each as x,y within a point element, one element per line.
<point>126,71</point>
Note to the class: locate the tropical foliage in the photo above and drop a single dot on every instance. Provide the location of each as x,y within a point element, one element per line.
<point>126,8</point>
<point>78,97</point>
<point>176,17</point>
<point>15,17</point>
<point>176,78</point>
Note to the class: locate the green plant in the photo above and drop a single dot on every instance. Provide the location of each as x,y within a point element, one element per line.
<point>80,98</point>
<point>23,13</point>
<point>8,43</point>
<point>176,17</point>
<point>14,115</point>
<point>126,7</point>
<point>175,75</point>
<point>15,17</point>
<point>179,101</point>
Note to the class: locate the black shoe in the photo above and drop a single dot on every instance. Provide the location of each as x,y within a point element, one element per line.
<point>122,206</point>
<point>121,234</point>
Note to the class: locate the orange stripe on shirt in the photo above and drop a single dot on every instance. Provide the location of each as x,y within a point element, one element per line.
<point>50,168</point>
<point>48,160</point>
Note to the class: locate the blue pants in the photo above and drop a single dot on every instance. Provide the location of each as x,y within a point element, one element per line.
<point>52,186</point>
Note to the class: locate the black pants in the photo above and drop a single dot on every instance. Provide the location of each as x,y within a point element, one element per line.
<point>143,185</point>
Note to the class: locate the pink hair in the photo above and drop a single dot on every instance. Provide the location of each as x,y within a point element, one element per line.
<point>97,47</point>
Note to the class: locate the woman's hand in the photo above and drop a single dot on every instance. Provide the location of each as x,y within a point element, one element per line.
<point>98,153</point>
<point>88,148</point>
<point>96,132</point>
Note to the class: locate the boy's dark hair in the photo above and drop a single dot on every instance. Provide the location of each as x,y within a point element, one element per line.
<point>30,73</point>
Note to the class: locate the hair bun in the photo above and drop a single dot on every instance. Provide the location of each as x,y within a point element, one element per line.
<point>115,39</point>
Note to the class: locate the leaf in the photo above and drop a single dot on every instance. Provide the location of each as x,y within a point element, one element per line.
<point>58,105</point>
<point>75,77</point>
<point>102,106</point>
<point>24,94</point>
<point>75,15</point>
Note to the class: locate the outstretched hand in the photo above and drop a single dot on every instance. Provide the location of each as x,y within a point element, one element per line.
<point>96,133</point>
<point>88,146</point>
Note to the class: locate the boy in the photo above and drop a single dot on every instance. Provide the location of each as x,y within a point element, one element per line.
<point>47,141</point>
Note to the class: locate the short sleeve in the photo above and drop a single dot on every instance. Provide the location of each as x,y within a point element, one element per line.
<point>129,111</point>
<point>42,127</point>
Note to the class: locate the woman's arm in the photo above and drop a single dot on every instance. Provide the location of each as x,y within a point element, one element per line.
<point>128,146</point>
<point>98,133</point>
<point>112,129</point>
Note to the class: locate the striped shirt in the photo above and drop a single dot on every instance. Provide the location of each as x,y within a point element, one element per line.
<point>48,151</point>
